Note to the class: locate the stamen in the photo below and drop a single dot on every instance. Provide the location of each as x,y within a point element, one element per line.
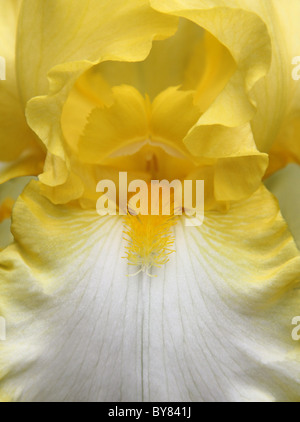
<point>150,241</point>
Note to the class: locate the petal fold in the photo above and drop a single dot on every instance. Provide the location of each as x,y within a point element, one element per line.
<point>58,41</point>
<point>16,140</point>
<point>284,184</point>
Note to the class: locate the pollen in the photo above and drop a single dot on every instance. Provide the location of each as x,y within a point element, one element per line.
<point>150,241</point>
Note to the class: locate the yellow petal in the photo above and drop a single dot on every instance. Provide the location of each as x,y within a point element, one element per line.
<point>284,184</point>
<point>78,30</point>
<point>164,67</point>
<point>16,137</point>
<point>60,40</point>
<point>239,168</point>
<point>286,148</point>
<point>59,183</point>
<point>214,325</point>
<point>192,58</point>
<point>209,70</point>
<point>173,114</point>
<point>6,208</point>
<point>90,91</point>
<point>120,134</point>
<point>28,164</point>
<point>223,131</point>
<point>277,96</point>
<point>245,36</point>
<point>9,192</point>
<point>111,128</point>
<point>72,36</point>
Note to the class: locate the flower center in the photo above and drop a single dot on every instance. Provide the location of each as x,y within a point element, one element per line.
<point>149,241</point>
<point>119,122</point>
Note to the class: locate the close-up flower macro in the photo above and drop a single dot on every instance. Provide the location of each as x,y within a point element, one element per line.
<point>149,201</point>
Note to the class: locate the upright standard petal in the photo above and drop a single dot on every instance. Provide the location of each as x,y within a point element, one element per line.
<point>277,96</point>
<point>164,67</point>
<point>245,36</point>
<point>18,143</point>
<point>225,124</point>
<point>61,39</point>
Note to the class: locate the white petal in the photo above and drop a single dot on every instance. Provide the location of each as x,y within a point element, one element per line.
<point>214,325</point>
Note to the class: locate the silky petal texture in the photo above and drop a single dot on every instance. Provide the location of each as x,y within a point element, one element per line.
<point>90,90</point>
<point>29,163</point>
<point>12,122</point>
<point>173,114</point>
<point>172,117</point>
<point>240,166</point>
<point>43,113</point>
<point>9,192</point>
<point>224,130</point>
<point>165,66</point>
<point>214,325</point>
<point>109,129</point>
<point>209,70</point>
<point>72,31</point>
<point>284,184</point>
<point>170,120</point>
<point>16,137</point>
<point>132,120</point>
<point>192,58</point>
<point>286,148</point>
<point>248,43</point>
<point>277,95</point>
<point>70,40</point>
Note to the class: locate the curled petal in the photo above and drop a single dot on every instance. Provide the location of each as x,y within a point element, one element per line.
<point>62,39</point>
<point>19,146</point>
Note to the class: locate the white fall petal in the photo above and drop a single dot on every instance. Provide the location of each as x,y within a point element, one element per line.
<point>214,325</point>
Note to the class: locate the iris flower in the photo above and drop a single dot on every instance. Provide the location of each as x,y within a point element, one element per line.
<point>197,90</point>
